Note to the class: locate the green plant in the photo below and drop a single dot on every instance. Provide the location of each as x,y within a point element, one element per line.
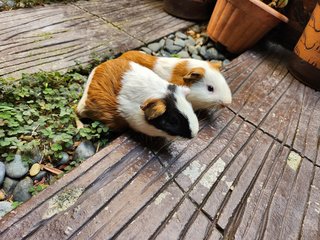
<point>36,112</point>
<point>15,204</point>
<point>34,190</point>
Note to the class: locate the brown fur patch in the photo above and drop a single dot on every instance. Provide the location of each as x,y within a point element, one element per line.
<point>143,59</point>
<point>216,65</point>
<point>179,71</point>
<point>194,75</point>
<point>101,103</point>
<point>153,108</point>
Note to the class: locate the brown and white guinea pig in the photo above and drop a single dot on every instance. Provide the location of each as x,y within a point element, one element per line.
<point>121,93</point>
<point>208,86</point>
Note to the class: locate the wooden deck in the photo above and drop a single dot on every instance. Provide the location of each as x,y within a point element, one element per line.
<point>251,173</point>
<point>58,36</point>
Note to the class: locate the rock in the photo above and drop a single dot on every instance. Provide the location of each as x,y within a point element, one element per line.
<point>196,28</point>
<point>195,56</point>
<point>171,36</point>
<point>11,3</point>
<point>2,195</point>
<point>220,57</point>
<point>36,156</point>
<point>5,207</point>
<point>146,50</point>
<point>164,53</point>
<point>83,151</point>
<point>225,62</point>
<point>181,35</point>
<point>172,48</point>
<point>21,191</point>
<point>203,52</point>
<point>9,185</point>
<point>2,172</point>
<point>200,41</point>
<point>1,4</point>
<point>154,47</point>
<point>17,168</point>
<point>192,50</point>
<point>190,41</point>
<point>35,169</point>
<point>179,42</point>
<point>64,159</point>
<point>162,42</point>
<point>39,176</point>
<point>183,54</point>
<point>212,53</point>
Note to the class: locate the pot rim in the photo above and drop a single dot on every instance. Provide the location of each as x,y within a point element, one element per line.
<point>270,10</point>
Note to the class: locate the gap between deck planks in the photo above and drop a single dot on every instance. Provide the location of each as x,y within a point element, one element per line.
<point>232,181</point>
<point>58,36</point>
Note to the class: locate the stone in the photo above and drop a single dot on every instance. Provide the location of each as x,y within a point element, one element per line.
<point>39,176</point>
<point>35,169</point>
<point>195,56</point>
<point>11,3</point>
<point>164,53</point>
<point>203,52</point>
<point>171,36</point>
<point>179,42</point>
<point>225,62</point>
<point>2,172</point>
<point>17,168</point>
<point>220,57</point>
<point>21,191</point>
<point>1,4</point>
<point>5,207</point>
<point>9,185</point>
<point>196,28</point>
<point>162,42</point>
<point>36,155</point>
<point>2,195</point>
<point>212,53</point>
<point>181,35</point>
<point>64,159</point>
<point>171,48</point>
<point>183,54</point>
<point>146,50</point>
<point>154,47</point>
<point>200,41</point>
<point>192,50</point>
<point>84,151</point>
<point>190,41</point>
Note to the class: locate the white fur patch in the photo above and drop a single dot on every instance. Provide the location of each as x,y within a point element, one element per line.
<point>82,103</point>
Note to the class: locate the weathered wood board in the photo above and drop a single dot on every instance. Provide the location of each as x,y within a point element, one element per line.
<point>59,36</point>
<point>249,173</point>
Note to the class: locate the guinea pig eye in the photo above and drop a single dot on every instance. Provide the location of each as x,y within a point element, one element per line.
<point>210,88</point>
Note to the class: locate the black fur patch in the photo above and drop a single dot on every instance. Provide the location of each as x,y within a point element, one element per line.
<point>172,121</point>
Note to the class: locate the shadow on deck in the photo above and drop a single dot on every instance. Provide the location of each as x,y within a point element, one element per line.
<point>252,172</point>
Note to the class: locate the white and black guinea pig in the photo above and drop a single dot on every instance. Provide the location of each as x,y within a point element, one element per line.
<point>208,86</point>
<point>121,93</point>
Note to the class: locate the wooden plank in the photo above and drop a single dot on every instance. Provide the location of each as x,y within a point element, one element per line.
<point>141,19</point>
<point>198,229</point>
<point>311,222</point>
<point>175,225</point>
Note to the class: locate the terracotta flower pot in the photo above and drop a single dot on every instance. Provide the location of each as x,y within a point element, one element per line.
<point>239,24</point>
<point>189,9</point>
<point>305,66</point>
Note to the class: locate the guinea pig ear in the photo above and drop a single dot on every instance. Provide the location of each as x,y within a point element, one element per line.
<point>153,108</point>
<point>216,65</point>
<point>194,75</point>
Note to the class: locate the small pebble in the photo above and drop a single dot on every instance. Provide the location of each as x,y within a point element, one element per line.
<point>171,36</point>
<point>195,56</point>
<point>17,168</point>
<point>162,42</point>
<point>146,50</point>
<point>192,50</point>
<point>171,48</point>
<point>2,195</point>
<point>196,28</point>
<point>154,47</point>
<point>36,156</point>
<point>21,192</point>
<point>190,41</point>
<point>39,176</point>
<point>183,54</point>
<point>203,52</point>
<point>64,159</point>
<point>212,53</point>
<point>179,42</point>
<point>164,53</point>
<point>2,172</point>
<point>35,169</point>
<point>9,185</point>
<point>225,62</point>
<point>84,151</point>
<point>5,207</point>
<point>11,3</point>
<point>181,35</point>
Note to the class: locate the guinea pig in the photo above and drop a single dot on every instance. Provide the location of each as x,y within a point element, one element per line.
<point>208,86</point>
<point>121,93</point>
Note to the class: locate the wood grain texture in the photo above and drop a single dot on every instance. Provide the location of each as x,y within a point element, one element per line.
<point>252,172</point>
<point>58,36</point>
